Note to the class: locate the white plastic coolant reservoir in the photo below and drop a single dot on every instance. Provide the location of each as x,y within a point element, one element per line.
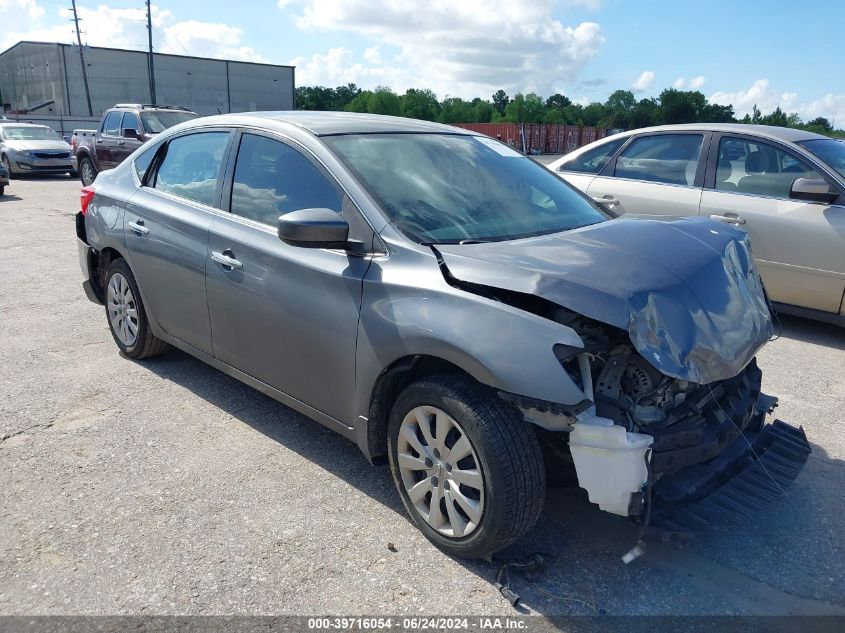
<point>610,461</point>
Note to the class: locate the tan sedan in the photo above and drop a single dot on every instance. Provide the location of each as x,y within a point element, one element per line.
<point>785,187</point>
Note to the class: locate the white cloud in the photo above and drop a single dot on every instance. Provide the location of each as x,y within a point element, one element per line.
<point>767,99</point>
<point>693,84</point>
<point>338,67</point>
<point>697,82</point>
<point>466,48</point>
<point>644,81</point>
<point>126,28</point>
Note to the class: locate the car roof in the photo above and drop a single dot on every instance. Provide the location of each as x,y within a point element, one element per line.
<point>17,124</point>
<point>788,134</point>
<point>326,123</point>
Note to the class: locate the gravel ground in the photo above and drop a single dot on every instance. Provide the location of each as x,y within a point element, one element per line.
<point>164,486</point>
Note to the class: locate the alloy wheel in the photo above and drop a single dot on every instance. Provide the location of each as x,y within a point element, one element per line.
<point>440,471</point>
<point>87,170</point>
<point>122,309</point>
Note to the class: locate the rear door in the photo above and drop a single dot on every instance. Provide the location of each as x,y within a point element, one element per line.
<point>655,175</point>
<point>799,246</point>
<point>125,146</point>
<point>167,222</point>
<point>285,315</point>
<point>107,140</point>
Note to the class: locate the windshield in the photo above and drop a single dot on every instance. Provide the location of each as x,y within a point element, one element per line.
<point>155,122</point>
<point>444,188</point>
<point>22,133</point>
<point>829,151</point>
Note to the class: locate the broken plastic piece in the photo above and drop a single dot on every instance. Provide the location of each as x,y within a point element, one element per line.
<point>609,461</point>
<point>637,551</point>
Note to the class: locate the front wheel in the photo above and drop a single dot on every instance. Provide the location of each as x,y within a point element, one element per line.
<point>467,466</point>
<point>126,316</point>
<point>5,161</point>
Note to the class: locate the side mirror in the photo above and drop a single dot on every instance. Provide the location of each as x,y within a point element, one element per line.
<point>314,228</point>
<point>812,190</point>
<point>130,132</point>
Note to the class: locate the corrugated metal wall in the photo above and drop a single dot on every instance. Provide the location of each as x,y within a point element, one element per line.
<point>540,138</point>
<point>33,72</point>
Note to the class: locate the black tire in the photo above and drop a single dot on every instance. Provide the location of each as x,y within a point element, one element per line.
<point>5,161</point>
<point>146,344</point>
<point>86,162</point>
<point>509,455</point>
<point>2,189</point>
<point>73,174</point>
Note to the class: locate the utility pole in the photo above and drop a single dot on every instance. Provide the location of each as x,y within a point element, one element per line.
<point>151,62</point>
<point>82,59</point>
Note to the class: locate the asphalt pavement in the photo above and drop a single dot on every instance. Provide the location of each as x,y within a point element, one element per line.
<point>166,487</point>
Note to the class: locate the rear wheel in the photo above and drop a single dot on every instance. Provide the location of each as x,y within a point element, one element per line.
<point>468,467</point>
<point>87,171</point>
<point>2,189</point>
<point>126,316</point>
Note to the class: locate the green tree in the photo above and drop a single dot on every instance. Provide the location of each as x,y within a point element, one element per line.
<point>384,101</point>
<point>420,104</point>
<point>482,112</point>
<point>557,102</point>
<point>821,123</point>
<point>594,114</point>
<point>361,103</point>
<point>645,113</point>
<point>620,106</point>
<point>778,117</point>
<point>455,110</point>
<point>500,101</point>
<point>681,106</point>
<point>715,113</point>
<point>343,96</point>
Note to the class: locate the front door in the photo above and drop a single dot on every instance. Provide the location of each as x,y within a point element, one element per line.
<point>107,139</point>
<point>656,175</point>
<point>126,145</point>
<point>798,246</point>
<point>166,227</point>
<point>285,315</point>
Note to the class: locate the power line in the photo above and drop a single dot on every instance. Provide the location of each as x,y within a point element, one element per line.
<point>82,57</point>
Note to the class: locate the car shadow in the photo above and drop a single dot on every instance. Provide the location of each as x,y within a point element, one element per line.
<point>809,331</point>
<point>9,197</point>
<point>582,545</point>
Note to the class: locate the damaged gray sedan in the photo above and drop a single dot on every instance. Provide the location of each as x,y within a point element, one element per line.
<point>453,307</point>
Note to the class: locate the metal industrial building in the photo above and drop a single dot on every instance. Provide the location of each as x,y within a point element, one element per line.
<point>32,73</point>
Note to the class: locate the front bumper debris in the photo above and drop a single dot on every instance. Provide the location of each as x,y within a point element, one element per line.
<point>752,471</point>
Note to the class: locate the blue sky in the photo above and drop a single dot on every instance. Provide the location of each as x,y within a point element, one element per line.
<point>770,53</point>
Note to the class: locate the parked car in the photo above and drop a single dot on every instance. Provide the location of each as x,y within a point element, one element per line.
<point>784,187</point>
<point>26,148</point>
<point>443,301</point>
<point>4,178</point>
<point>122,130</point>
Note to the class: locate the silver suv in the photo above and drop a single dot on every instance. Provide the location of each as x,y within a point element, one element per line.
<point>452,306</point>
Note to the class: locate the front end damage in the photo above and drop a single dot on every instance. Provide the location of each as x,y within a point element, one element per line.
<point>672,429</point>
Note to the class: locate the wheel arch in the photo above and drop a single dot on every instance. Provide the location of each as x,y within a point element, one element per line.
<point>389,384</point>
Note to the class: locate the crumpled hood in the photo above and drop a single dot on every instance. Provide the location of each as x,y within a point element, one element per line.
<point>57,145</point>
<point>686,291</point>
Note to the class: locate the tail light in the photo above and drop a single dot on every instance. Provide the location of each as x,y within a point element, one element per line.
<point>85,198</point>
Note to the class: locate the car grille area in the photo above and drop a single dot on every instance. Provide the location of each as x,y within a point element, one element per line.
<point>49,155</point>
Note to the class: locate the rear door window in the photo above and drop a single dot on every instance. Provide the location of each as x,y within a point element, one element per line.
<point>592,161</point>
<point>758,168</point>
<point>664,158</point>
<point>191,166</point>
<point>272,178</point>
<point>111,125</point>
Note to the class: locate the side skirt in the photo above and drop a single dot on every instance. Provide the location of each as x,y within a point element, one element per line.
<point>297,405</point>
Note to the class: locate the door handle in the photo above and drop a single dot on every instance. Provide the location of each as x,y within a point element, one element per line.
<point>729,219</point>
<point>226,260</point>
<point>99,140</point>
<point>138,227</point>
<point>121,142</point>
<point>608,200</point>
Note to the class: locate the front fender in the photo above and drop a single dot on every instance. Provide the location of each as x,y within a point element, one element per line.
<point>405,313</point>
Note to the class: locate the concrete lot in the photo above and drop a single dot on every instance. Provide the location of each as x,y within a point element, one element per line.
<point>165,486</point>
